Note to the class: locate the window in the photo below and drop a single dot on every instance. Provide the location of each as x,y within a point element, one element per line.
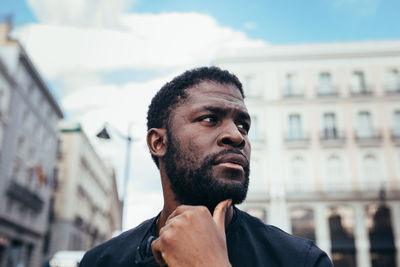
<point>254,134</point>
<point>15,256</point>
<point>325,86</point>
<point>341,227</point>
<point>258,182</point>
<point>330,130</point>
<point>372,175</point>
<point>334,173</point>
<point>378,221</point>
<point>358,84</point>
<point>299,177</point>
<point>16,168</point>
<point>2,93</point>
<point>292,87</point>
<point>4,100</point>
<point>396,124</point>
<point>295,127</point>
<point>364,124</point>
<point>20,144</point>
<point>249,85</point>
<point>393,80</point>
<point>303,224</point>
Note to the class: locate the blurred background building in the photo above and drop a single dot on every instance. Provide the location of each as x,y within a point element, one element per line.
<point>52,197</point>
<point>29,135</point>
<point>326,145</point>
<point>86,206</point>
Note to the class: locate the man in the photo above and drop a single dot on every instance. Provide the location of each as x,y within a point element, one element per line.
<point>197,135</point>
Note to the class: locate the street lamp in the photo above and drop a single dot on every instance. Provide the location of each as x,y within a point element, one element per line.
<point>103,134</point>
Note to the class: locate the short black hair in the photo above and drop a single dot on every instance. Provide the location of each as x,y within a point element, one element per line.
<point>175,91</point>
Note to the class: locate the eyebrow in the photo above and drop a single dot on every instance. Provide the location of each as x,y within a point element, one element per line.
<point>218,110</point>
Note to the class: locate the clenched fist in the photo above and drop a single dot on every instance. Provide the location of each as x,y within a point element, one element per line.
<point>191,237</point>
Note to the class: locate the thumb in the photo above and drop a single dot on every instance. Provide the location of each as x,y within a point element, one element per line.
<point>219,214</point>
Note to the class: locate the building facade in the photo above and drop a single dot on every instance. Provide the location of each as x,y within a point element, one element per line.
<point>326,145</point>
<point>86,206</point>
<point>29,126</point>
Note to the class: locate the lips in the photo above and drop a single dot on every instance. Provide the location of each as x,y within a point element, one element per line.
<point>232,161</point>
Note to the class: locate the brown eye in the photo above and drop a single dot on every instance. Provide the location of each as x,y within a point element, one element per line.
<point>208,119</point>
<point>243,126</point>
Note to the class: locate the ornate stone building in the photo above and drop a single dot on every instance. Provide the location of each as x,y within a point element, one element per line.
<point>326,144</point>
<point>29,117</point>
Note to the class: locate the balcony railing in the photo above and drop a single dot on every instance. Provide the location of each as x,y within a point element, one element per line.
<point>364,91</point>
<point>23,195</point>
<point>330,92</point>
<point>306,191</point>
<point>293,93</point>
<point>393,90</point>
<point>368,138</point>
<point>332,137</point>
<point>395,134</point>
<point>298,140</point>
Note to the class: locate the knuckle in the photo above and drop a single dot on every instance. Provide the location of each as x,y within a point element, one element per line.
<point>203,210</point>
<point>180,208</point>
<point>167,238</point>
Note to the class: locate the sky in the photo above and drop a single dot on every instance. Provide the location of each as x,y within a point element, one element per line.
<point>105,59</point>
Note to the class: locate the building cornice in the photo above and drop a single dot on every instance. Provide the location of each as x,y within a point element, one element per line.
<point>279,53</point>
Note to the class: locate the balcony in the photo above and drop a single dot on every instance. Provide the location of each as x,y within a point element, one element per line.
<point>395,135</point>
<point>393,90</point>
<point>298,140</point>
<point>330,91</point>
<point>23,195</point>
<point>293,93</point>
<point>365,91</point>
<point>368,138</point>
<point>332,138</point>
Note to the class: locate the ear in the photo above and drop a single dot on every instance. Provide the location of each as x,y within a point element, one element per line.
<point>157,141</point>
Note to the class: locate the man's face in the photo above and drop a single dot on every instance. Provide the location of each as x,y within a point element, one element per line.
<point>208,151</point>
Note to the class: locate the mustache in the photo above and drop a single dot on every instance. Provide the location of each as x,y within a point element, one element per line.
<point>212,158</point>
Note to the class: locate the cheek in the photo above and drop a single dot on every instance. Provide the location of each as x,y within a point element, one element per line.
<point>198,149</point>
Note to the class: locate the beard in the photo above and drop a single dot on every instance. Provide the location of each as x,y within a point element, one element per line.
<point>193,182</point>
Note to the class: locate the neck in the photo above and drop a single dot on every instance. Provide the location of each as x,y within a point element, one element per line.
<point>168,210</point>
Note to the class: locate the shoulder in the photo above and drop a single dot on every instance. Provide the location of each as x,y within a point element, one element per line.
<point>284,247</point>
<point>271,233</point>
<point>118,250</point>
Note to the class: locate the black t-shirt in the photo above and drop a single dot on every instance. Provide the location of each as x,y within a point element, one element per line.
<point>250,243</point>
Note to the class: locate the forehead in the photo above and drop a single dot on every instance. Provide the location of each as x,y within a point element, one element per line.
<point>214,93</point>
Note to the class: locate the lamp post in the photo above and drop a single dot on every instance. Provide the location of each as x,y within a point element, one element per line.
<point>103,134</point>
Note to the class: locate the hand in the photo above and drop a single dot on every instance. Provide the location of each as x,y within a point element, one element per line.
<point>192,237</point>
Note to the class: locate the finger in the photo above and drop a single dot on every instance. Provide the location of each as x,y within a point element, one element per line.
<point>219,214</point>
<point>180,209</point>
<point>156,250</point>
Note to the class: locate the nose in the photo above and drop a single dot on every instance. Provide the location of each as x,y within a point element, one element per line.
<point>231,136</point>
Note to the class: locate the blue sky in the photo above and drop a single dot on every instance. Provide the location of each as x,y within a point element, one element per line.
<point>276,21</point>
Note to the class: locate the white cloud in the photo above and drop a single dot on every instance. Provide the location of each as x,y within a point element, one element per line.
<point>88,13</point>
<point>147,41</point>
